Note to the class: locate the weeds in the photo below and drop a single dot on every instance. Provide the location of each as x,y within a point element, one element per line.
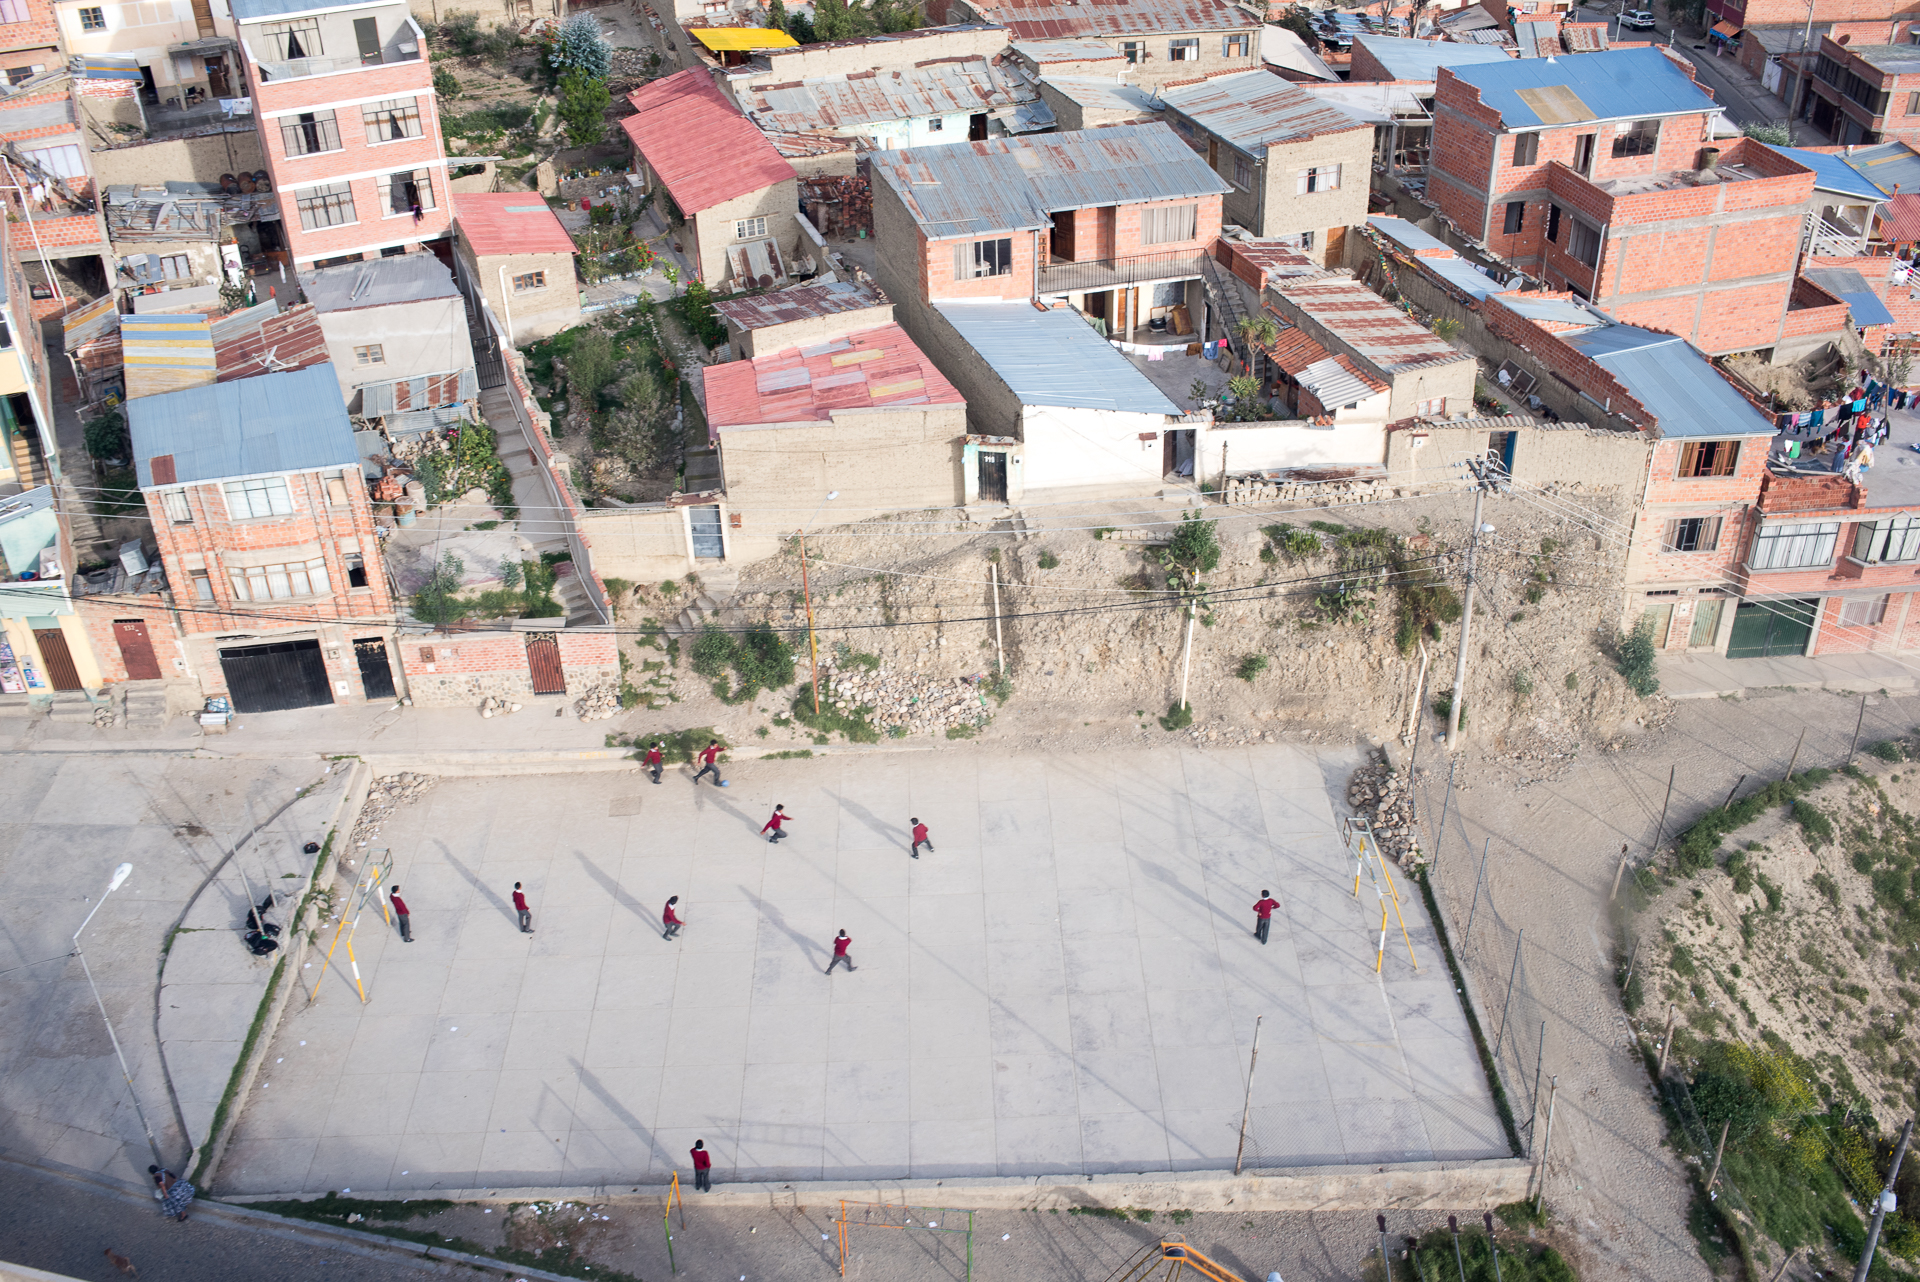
<point>1251,666</point>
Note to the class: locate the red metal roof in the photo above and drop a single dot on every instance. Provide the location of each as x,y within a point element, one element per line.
<point>875,368</point>
<point>506,222</point>
<point>698,143</point>
<point>1069,19</point>
<point>1900,220</point>
<point>1294,350</point>
<point>242,347</point>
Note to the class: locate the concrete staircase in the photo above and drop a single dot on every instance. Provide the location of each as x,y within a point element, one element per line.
<point>146,705</point>
<point>702,610</point>
<point>71,707</point>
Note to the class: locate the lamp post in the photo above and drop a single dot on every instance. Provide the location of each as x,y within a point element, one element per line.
<point>806,591</point>
<point>120,875</point>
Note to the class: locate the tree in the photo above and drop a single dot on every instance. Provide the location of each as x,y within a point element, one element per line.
<point>800,27</point>
<point>777,15</point>
<point>583,105</point>
<point>580,46</point>
<point>1194,548</point>
<point>106,436</point>
<point>831,21</point>
<point>438,601</point>
<point>1295,19</point>
<point>639,430</point>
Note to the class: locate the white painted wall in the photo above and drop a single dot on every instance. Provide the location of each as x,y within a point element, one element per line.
<point>1255,449</point>
<point>428,337</point>
<point>1064,448</point>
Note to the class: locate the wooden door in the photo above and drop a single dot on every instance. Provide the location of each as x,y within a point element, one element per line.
<point>1661,617</point>
<point>1706,623</point>
<point>136,650</point>
<point>543,663</point>
<point>57,658</point>
<point>1337,247</point>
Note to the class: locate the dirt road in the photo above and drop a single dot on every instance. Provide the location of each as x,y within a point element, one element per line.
<point>1552,831</point>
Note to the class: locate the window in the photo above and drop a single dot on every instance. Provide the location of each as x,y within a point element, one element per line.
<point>327,205</point>
<point>529,280</point>
<point>1897,539</point>
<point>1709,458</point>
<point>1913,103</point>
<point>982,258</point>
<point>1516,216</point>
<point>172,266</point>
<point>1183,50</point>
<point>1584,243</point>
<point>1692,534</point>
<point>337,491</point>
<point>1583,153</point>
<point>371,354</point>
<point>749,228</point>
<point>290,40</point>
<point>1863,614</point>
<point>1553,223</point>
<point>1169,224</point>
<point>14,11</point>
<point>94,19</point>
<point>356,569</point>
<point>1640,138</point>
<point>278,582</point>
<point>1526,150</point>
<point>309,132</point>
<point>1242,173</point>
<point>267,497</point>
<point>1133,50</point>
<point>405,191</point>
<point>17,75</point>
<point>1234,46</point>
<point>935,124</point>
<point>1323,178</point>
<point>176,504</point>
<point>391,120</point>
<point>62,162</point>
<point>1435,408</point>
<point>1793,547</point>
<point>202,585</point>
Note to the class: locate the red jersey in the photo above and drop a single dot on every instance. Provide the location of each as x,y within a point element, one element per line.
<point>400,905</point>
<point>653,756</point>
<point>701,1159</point>
<point>708,755</point>
<point>840,946</point>
<point>919,833</point>
<point>519,902</point>
<point>671,918</point>
<point>779,817</point>
<point>1264,909</point>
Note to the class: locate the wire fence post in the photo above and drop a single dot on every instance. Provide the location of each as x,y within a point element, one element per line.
<point>1540,1186</point>
<point>1857,723</point>
<point>1539,1062</point>
<point>1467,943</point>
<point>1246,1109</point>
<point>1440,834</point>
<point>1661,831</point>
<point>1508,1004</point>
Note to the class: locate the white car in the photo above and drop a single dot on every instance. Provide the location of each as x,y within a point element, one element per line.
<point>1637,20</point>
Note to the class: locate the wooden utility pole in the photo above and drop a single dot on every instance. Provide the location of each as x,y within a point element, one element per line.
<point>1661,831</point>
<point>1719,1151</point>
<point>1618,873</point>
<point>1884,1202</point>
<point>1466,621</point>
<point>1796,753</point>
<point>1666,1041</point>
<point>1540,1187</point>
<point>1857,723</point>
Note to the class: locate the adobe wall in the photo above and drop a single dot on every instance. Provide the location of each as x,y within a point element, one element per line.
<point>234,151</point>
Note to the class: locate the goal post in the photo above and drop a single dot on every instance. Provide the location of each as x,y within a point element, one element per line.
<point>912,1219</point>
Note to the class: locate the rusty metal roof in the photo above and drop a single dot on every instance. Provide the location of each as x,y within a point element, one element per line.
<point>1066,19</point>
<point>1584,37</point>
<point>1103,93</point>
<point>757,311</point>
<point>1015,184</point>
<point>1380,332</point>
<point>938,87</point>
<point>876,368</point>
<point>1254,110</point>
<point>162,214</point>
<point>256,341</point>
<point>1046,52</point>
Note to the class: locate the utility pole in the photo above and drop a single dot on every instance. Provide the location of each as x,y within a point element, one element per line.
<point>1466,614</point>
<point>1246,1110</point>
<point>1883,1204</point>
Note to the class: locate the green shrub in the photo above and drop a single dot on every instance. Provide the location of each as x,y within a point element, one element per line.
<point>1522,682</point>
<point>1635,660</point>
<point>446,84</point>
<point>1048,561</point>
<point>1252,666</point>
<point>1292,542</point>
<point>1179,717</point>
<point>1888,750</point>
<point>852,724</point>
<point>761,661</point>
<point>1194,547</point>
<point>1813,823</point>
<point>583,106</point>
<point>106,436</point>
<point>696,309</point>
<point>1443,707</point>
<point>1681,961</point>
<point>713,652</point>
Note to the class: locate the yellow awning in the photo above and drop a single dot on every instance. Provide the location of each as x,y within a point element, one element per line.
<point>736,38</point>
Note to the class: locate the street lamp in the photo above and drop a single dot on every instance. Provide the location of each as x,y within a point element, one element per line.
<point>806,591</point>
<point>120,876</point>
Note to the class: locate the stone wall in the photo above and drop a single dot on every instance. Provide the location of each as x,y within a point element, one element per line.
<point>462,669</point>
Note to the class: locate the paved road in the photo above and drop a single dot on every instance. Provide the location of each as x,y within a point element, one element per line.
<point>66,1226</point>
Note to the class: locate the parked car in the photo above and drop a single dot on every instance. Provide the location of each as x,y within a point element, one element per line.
<point>1637,20</point>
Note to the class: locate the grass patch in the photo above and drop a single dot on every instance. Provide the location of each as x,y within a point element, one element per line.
<point>852,723</point>
<point>1251,666</point>
<point>1520,1260</point>
<point>1179,717</point>
<point>1699,844</point>
<point>791,754</point>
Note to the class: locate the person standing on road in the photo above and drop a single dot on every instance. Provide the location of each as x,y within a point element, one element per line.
<point>920,838</point>
<point>400,913</point>
<point>840,945</point>
<point>1263,915</point>
<point>702,1167</point>
<point>520,906</point>
<point>670,920</point>
<point>709,763</point>
<point>778,817</point>
<point>655,759</point>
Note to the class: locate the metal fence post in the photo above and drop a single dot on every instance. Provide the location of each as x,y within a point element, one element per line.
<point>1508,1005</point>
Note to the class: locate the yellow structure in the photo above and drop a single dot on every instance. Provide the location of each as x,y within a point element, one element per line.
<point>742,39</point>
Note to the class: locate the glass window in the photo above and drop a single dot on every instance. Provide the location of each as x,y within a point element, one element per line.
<point>391,120</point>
<point>1235,46</point>
<point>936,124</point>
<point>279,582</point>
<point>1584,244</point>
<point>1169,224</point>
<point>1692,534</point>
<point>1323,178</point>
<point>1709,458</point>
<point>290,40</point>
<point>406,192</point>
<point>327,205</point>
<point>749,228</point>
<point>202,585</point>
<point>94,19</point>
<point>1526,149</point>
<point>529,280</point>
<point>176,503</point>
<point>371,354</point>
<point>1183,50</point>
<point>1895,539</point>
<point>1806,545</point>
<point>13,11</point>
<point>1132,50</point>
<point>1242,173</point>
<point>1641,138</point>
<point>247,500</point>
<point>310,132</point>
<point>1863,614</point>
<point>972,259</point>
<point>1913,103</point>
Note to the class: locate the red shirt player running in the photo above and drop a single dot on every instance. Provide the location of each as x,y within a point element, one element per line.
<point>773,823</point>
<point>671,919</point>
<point>655,758</point>
<point>920,838</point>
<point>709,763</point>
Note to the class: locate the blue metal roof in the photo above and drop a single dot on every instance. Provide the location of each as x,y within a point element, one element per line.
<point>1421,59</point>
<point>1850,286</point>
<point>1888,166</point>
<point>1406,235</point>
<point>1054,358</point>
<point>1681,389</point>
<point>1620,84</point>
<point>285,422</point>
<point>1833,173</point>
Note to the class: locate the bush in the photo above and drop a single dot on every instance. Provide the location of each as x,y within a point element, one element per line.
<point>1048,561</point>
<point>762,661</point>
<point>696,309</point>
<point>1251,666</point>
<point>1443,707</point>
<point>583,106</point>
<point>1814,823</point>
<point>713,652</point>
<point>1291,541</point>
<point>1888,750</point>
<point>462,34</point>
<point>1194,547</point>
<point>107,436</point>
<point>1522,682</point>
<point>1635,660</point>
<point>446,84</point>
<point>1179,717</point>
<point>436,601</point>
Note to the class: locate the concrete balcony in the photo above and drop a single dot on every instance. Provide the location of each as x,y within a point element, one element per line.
<point>301,68</point>
<point>1115,273</point>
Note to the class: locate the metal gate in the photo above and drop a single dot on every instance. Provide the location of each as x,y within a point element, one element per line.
<point>59,660</point>
<point>488,366</point>
<point>707,542</point>
<point>274,678</point>
<point>543,663</point>
<point>1763,628</point>
<point>376,674</point>
<point>136,650</point>
<point>993,477</point>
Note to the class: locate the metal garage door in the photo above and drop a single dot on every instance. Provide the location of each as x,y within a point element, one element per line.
<point>1763,628</point>
<point>273,678</point>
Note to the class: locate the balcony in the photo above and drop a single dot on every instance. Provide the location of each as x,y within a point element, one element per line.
<point>300,68</point>
<point>1116,273</point>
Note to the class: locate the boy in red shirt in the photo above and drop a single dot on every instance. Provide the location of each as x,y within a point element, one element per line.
<point>920,839</point>
<point>840,946</point>
<point>654,759</point>
<point>709,757</point>
<point>1263,915</point>
<point>520,906</point>
<point>671,919</point>
<point>400,913</point>
<point>779,817</point>
<point>702,1167</point>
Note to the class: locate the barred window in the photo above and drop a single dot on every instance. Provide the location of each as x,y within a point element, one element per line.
<point>1169,224</point>
<point>173,266</point>
<point>328,205</point>
<point>310,132</point>
<point>1242,173</point>
<point>983,258</point>
<point>278,582</point>
<point>1863,614</point>
<point>1895,539</point>
<point>391,120</point>
<point>1804,545</point>
<point>371,354</point>
<point>290,40</point>
<point>1692,534</point>
<point>400,192</point>
<point>266,497</point>
<point>93,19</point>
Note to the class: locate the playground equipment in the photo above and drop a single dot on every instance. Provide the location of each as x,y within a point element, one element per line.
<point>378,870</point>
<point>1358,835</point>
<point>1171,1259</point>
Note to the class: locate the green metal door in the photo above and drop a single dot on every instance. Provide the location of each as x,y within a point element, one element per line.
<point>1764,628</point>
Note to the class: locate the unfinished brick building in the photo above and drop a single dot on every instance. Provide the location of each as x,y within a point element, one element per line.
<point>1599,174</point>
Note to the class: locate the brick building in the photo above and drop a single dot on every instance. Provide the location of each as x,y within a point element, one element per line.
<point>1866,83</point>
<point>266,530</point>
<point>1599,174</point>
<point>349,124</point>
<point>1795,13</point>
<point>29,40</point>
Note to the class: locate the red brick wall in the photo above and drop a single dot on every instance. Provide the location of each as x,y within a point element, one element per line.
<point>1562,359</point>
<point>1771,13</point>
<point>937,269</point>
<point>39,33</point>
<point>98,614</point>
<point>1834,638</point>
<point>1110,232</point>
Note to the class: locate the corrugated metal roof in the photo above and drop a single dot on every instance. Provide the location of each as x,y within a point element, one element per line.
<point>1254,110</point>
<point>698,143</point>
<point>757,311</point>
<point>1013,184</point>
<point>1280,47</point>
<point>404,278</point>
<point>1620,84</point>
<point>1057,19</point>
<point>165,353</point>
<point>105,66</point>
<point>1376,100</point>
<point>1681,389</point>
<point>1850,286</point>
<point>1537,39</point>
<point>505,222</point>
<point>944,87</point>
<point>1900,219</point>
<point>1373,327</point>
<point>1832,173</point>
<point>102,316</point>
<point>1409,237</point>
<point>1896,59</point>
<point>876,368</point>
<point>1294,350</point>
<point>1458,22</point>
<point>250,427</point>
<point>1421,59</point>
<point>1102,93</point>
<point>256,341</point>
<point>1042,52</point>
<point>1336,383</point>
<point>1584,37</point>
<point>740,39</point>
<point>262,10</point>
<point>1551,311</point>
<point>1054,358</point>
<point>1888,165</point>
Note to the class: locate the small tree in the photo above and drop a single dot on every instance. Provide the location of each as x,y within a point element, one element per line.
<point>777,15</point>
<point>106,436</point>
<point>831,21</point>
<point>1194,548</point>
<point>579,45</point>
<point>438,601</point>
<point>1635,660</point>
<point>583,105</point>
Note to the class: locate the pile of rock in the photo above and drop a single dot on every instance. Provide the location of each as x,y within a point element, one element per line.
<point>903,703</point>
<point>384,797</point>
<point>492,706</point>
<point>1379,794</point>
<point>103,716</point>
<point>599,703</point>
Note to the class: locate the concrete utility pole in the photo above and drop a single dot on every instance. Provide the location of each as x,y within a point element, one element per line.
<point>1883,1204</point>
<point>1466,615</point>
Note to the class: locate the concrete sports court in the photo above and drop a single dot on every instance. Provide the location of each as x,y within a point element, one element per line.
<point>1068,984</point>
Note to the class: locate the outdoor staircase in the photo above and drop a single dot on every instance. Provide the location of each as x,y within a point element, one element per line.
<point>146,705</point>
<point>701,611</point>
<point>1224,295</point>
<point>71,707</point>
